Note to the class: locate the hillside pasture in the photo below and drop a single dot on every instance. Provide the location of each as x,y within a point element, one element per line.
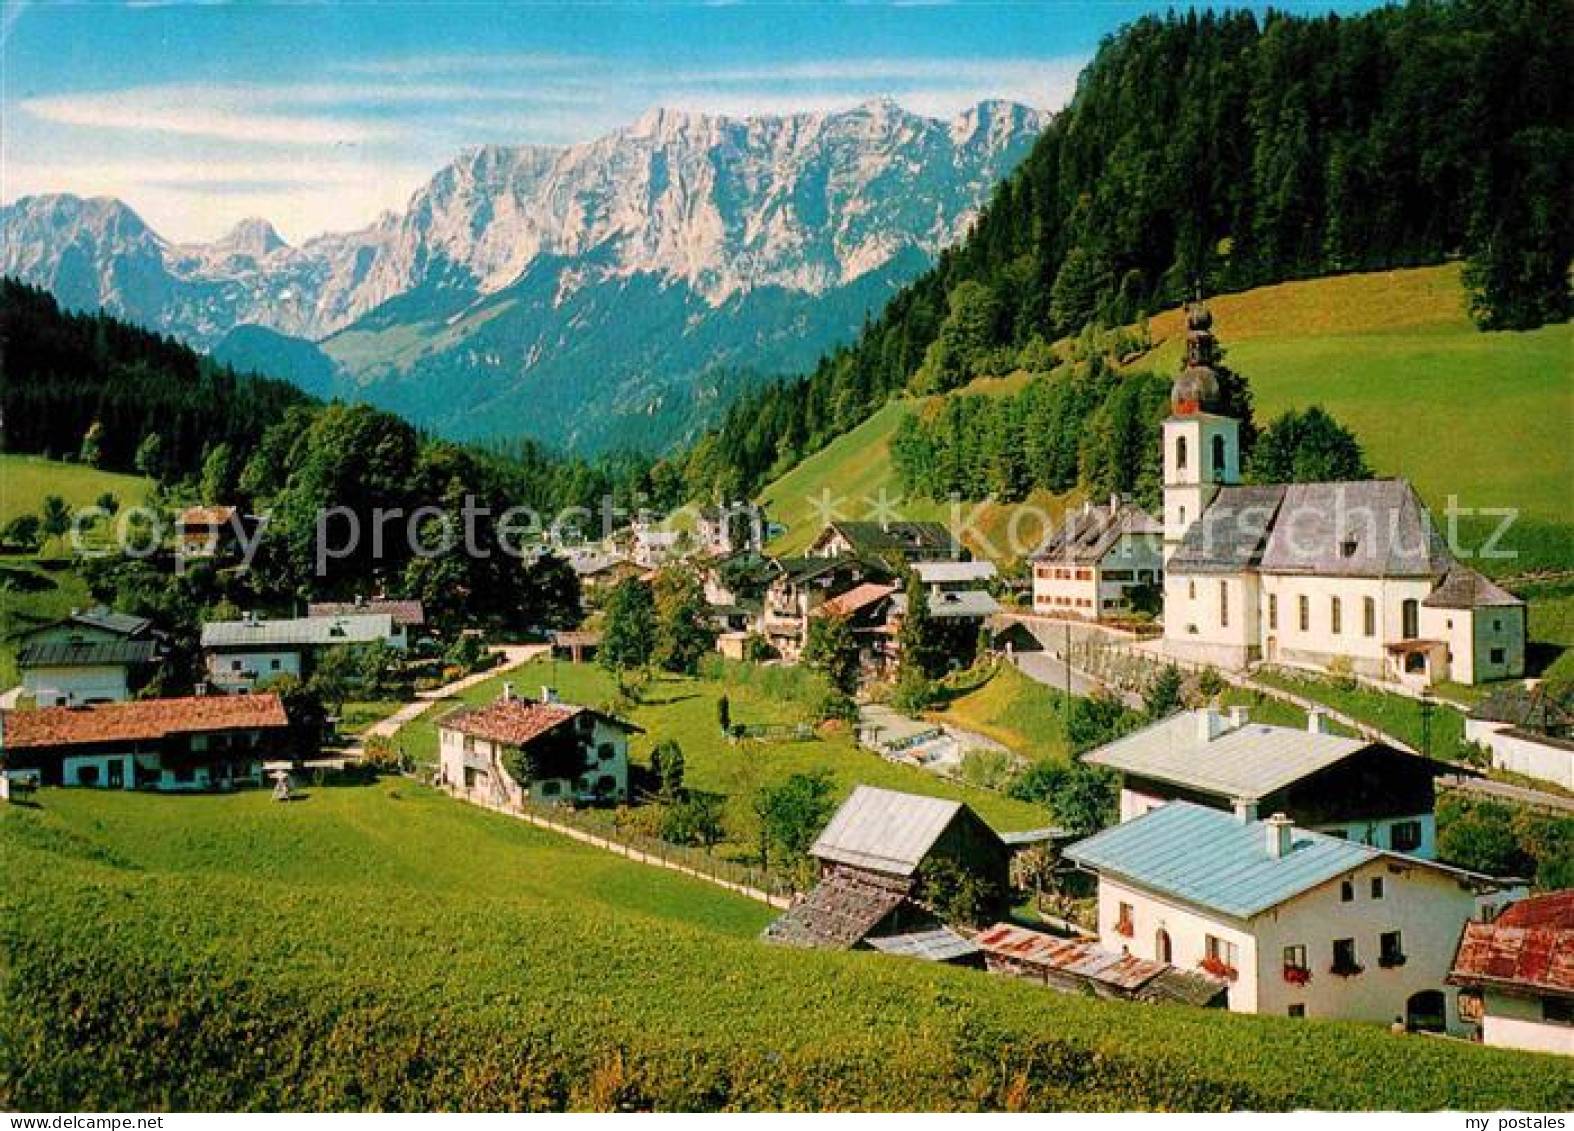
<point>385,947</point>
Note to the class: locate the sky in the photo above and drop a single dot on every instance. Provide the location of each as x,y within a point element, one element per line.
<point>319,116</point>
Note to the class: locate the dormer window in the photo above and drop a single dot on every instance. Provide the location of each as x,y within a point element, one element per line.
<point>1347,548</point>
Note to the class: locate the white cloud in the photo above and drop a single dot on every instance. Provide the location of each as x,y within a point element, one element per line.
<point>216,112</point>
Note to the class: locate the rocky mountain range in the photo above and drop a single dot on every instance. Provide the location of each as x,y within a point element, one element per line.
<point>609,293</point>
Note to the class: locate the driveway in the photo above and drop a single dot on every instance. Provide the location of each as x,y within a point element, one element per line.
<point>1051,671</point>
<point>514,655</point>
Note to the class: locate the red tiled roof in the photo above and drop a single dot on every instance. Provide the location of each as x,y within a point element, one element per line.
<point>205,516</point>
<point>138,721</point>
<point>407,613</point>
<point>1530,946</point>
<point>859,597</point>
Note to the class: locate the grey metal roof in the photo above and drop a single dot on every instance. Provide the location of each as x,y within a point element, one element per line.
<point>968,603</point>
<point>940,944</point>
<point>1371,528</point>
<point>101,616</point>
<point>1046,835</point>
<point>1088,534</point>
<point>1464,588</point>
<point>941,573</point>
<point>882,537</point>
<point>884,830</point>
<point>299,631</point>
<point>1216,861</point>
<point>1248,762</point>
<point>87,653</point>
<point>1232,533</point>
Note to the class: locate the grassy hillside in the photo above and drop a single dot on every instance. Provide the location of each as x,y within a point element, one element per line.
<point>686,709</point>
<point>385,947</point>
<point>26,480</point>
<point>1486,417</point>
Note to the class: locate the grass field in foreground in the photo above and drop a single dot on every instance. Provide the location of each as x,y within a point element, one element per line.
<point>685,709</point>
<point>383,946</point>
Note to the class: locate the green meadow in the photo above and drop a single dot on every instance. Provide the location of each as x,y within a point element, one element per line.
<point>26,480</point>
<point>384,947</point>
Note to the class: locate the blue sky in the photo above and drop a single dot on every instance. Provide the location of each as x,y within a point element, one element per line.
<point>318,116</point>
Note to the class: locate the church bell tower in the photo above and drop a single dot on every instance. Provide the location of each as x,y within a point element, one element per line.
<point>1202,449</point>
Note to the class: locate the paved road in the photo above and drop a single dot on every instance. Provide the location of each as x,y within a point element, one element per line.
<point>1051,671</point>
<point>1506,791</point>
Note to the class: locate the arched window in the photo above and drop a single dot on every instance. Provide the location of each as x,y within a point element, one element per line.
<point>1180,452</point>
<point>1162,949</point>
<point>1218,455</point>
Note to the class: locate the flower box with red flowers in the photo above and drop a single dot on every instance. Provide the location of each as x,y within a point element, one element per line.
<point>1219,968</point>
<point>1297,975</point>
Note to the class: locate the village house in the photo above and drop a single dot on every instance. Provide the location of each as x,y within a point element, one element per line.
<point>871,856</point>
<point>244,654</point>
<point>1104,560</point>
<point>598,571</point>
<point>1298,923</point>
<point>1516,975</point>
<point>1346,575</point>
<point>201,742</point>
<point>889,542</point>
<point>515,750</point>
<point>1352,788</point>
<point>91,656</point>
<point>866,609</point>
<point>1527,731</point>
<point>800,587</point>
<point>210,531</point>
<point>735,590</point>
<point>721,530</point>
<point>955,576</point>
<point>408,616</point>
<point>959,616</point>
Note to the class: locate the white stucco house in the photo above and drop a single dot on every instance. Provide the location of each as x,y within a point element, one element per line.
<point>1516,975</point>
<point>1091,565</point>
<point>91,656</point>
<point>516,750</point>
<point>1361,791</point>
<point>1352,575</point>
<point>244,654</point>
<point>1300,924</point>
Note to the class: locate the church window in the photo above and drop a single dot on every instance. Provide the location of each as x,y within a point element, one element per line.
<point>1336,615</point>
<point>1369,616</point>
<point>1305,610</point>
<point>1411,615</point>
<point>1224,604</point>
<point>1180,453</point>
<point>1218,455</point>
<point>1273,611</point>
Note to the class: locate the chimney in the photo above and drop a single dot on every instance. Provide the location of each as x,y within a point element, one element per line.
<point>1317,722</point>
<point>1210,724</point>
<point>1245,810</point>
<point>548,694</point>
<point>508,693</point>
<point>1238,717</point>
<point>1278,828</point>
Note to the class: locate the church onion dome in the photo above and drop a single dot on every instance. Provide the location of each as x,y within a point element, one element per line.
<point>1195,390</point>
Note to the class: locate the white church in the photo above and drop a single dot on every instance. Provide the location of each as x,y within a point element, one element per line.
<point>1351,576</point>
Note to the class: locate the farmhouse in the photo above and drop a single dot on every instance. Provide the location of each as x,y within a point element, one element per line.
<point>515,750</point>
<point>1099,562</point>
<point>1300,924</point>
<point>871,855</point>
<point>866,609</point>
<point>800,587</point>
<point>247,653</point>
<point>410,616</point>
<point>213,531</point>
<point>204,742</point>
<point>1363,791</point>
<point>92,656</point>
<point>891,542</point>
<point>724,530</point>
<point>1516,975</point>
<point>600,571</point>
<point>1350,575</point>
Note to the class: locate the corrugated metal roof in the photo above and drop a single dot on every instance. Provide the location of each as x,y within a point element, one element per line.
<point>1080,957</point>
<point>940,944</point>
<point>87,653</point>
<point>884,830</point>
<point>940,573</point>
<point>968,603</point>
<point>1216,861</point>
<point>1249,762</point>
<point>1529,947</point>
<point>298,631</point>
